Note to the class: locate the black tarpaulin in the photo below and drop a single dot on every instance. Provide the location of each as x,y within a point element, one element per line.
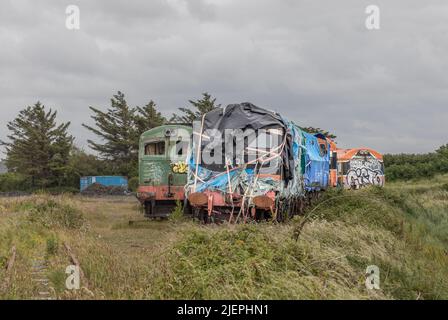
<point>242,116</point>
<point>248,116</point>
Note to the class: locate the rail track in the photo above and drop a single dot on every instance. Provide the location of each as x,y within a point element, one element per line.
<point>41,284</point>
<point>9,267</point>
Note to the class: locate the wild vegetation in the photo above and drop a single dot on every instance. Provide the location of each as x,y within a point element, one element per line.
<point>416,166</point>
<point>402,228</point>
<point>38,147</point>
<point>41,154</point>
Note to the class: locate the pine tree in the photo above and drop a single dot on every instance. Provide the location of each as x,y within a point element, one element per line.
<point>196,110</point>
<point>117,128</point>
<point>38,148</point>
<point>313,130</point>
<point>148,117</point>
<point>83,164</point>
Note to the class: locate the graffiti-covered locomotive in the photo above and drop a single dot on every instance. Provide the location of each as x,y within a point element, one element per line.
<point>246,162</point>
<point>243,162</point>
<point>360,167</point>
<point>162,168</point>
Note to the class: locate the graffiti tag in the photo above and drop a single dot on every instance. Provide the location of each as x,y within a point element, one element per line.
<point>364,176</point>
<point>363,172</point>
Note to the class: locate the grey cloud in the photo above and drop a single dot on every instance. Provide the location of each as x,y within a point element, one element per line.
<point>311,60</point>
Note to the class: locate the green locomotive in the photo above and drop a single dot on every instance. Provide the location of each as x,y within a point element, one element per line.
<point>162,168</point>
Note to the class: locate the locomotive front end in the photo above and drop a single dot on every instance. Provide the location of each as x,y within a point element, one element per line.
<point>163,168</point>
<point>241,163</point>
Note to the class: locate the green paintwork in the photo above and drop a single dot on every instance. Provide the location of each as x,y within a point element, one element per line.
<point>154,169</point>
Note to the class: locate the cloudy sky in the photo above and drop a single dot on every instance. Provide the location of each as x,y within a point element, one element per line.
<point>314,61</point>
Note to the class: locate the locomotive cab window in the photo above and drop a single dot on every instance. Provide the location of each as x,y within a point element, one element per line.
<point>345,167</point>
<point>155,148</point>
<point>323,149</point>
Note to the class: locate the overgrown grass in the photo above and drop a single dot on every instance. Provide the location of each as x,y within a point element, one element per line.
<point>404,233</point>
<point>417,220</point>
<point>52,213</point>
<point>256,262</point>
<point>33,225</point>
<point>402,228</point>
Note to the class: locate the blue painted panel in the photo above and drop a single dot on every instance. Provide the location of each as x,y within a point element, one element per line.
<point>317,165</point>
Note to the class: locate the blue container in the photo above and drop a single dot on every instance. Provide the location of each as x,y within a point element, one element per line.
<point>115,181</point>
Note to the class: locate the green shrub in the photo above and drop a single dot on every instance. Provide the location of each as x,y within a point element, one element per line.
<point>55,213</point>
<point>57,278</point>
<point>178,212</point>
<point>10,182</point>
<point>205,262</point>
<point>3,261</point>
<point>52,245</point>
<point>416,166</point>
<point>133,184</point>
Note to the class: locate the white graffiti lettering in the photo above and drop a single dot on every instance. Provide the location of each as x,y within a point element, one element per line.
<point>364,172</point>
<point>361,177</point>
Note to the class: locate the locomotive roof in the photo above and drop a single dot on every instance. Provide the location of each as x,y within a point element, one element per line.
<point>347,154</point>
<point>160,130</point>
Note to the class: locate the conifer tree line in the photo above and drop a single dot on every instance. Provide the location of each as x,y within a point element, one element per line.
<point>41,152</point>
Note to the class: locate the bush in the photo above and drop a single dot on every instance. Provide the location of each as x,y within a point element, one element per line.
<point>178,212</point>
<point>55,213</point>
<point>10,182</point>
<point>133,184</point>
<point>52,245</point>
<point>416,166</point>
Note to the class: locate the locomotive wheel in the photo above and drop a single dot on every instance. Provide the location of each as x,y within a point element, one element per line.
<point>196,213</point>
<point>187,208</point>
<point>204,217</point>
<point>200,214</point>
<point>281,216</point>
<point>153,209</point>
<point>302,206</point>
<point>148,209</point>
